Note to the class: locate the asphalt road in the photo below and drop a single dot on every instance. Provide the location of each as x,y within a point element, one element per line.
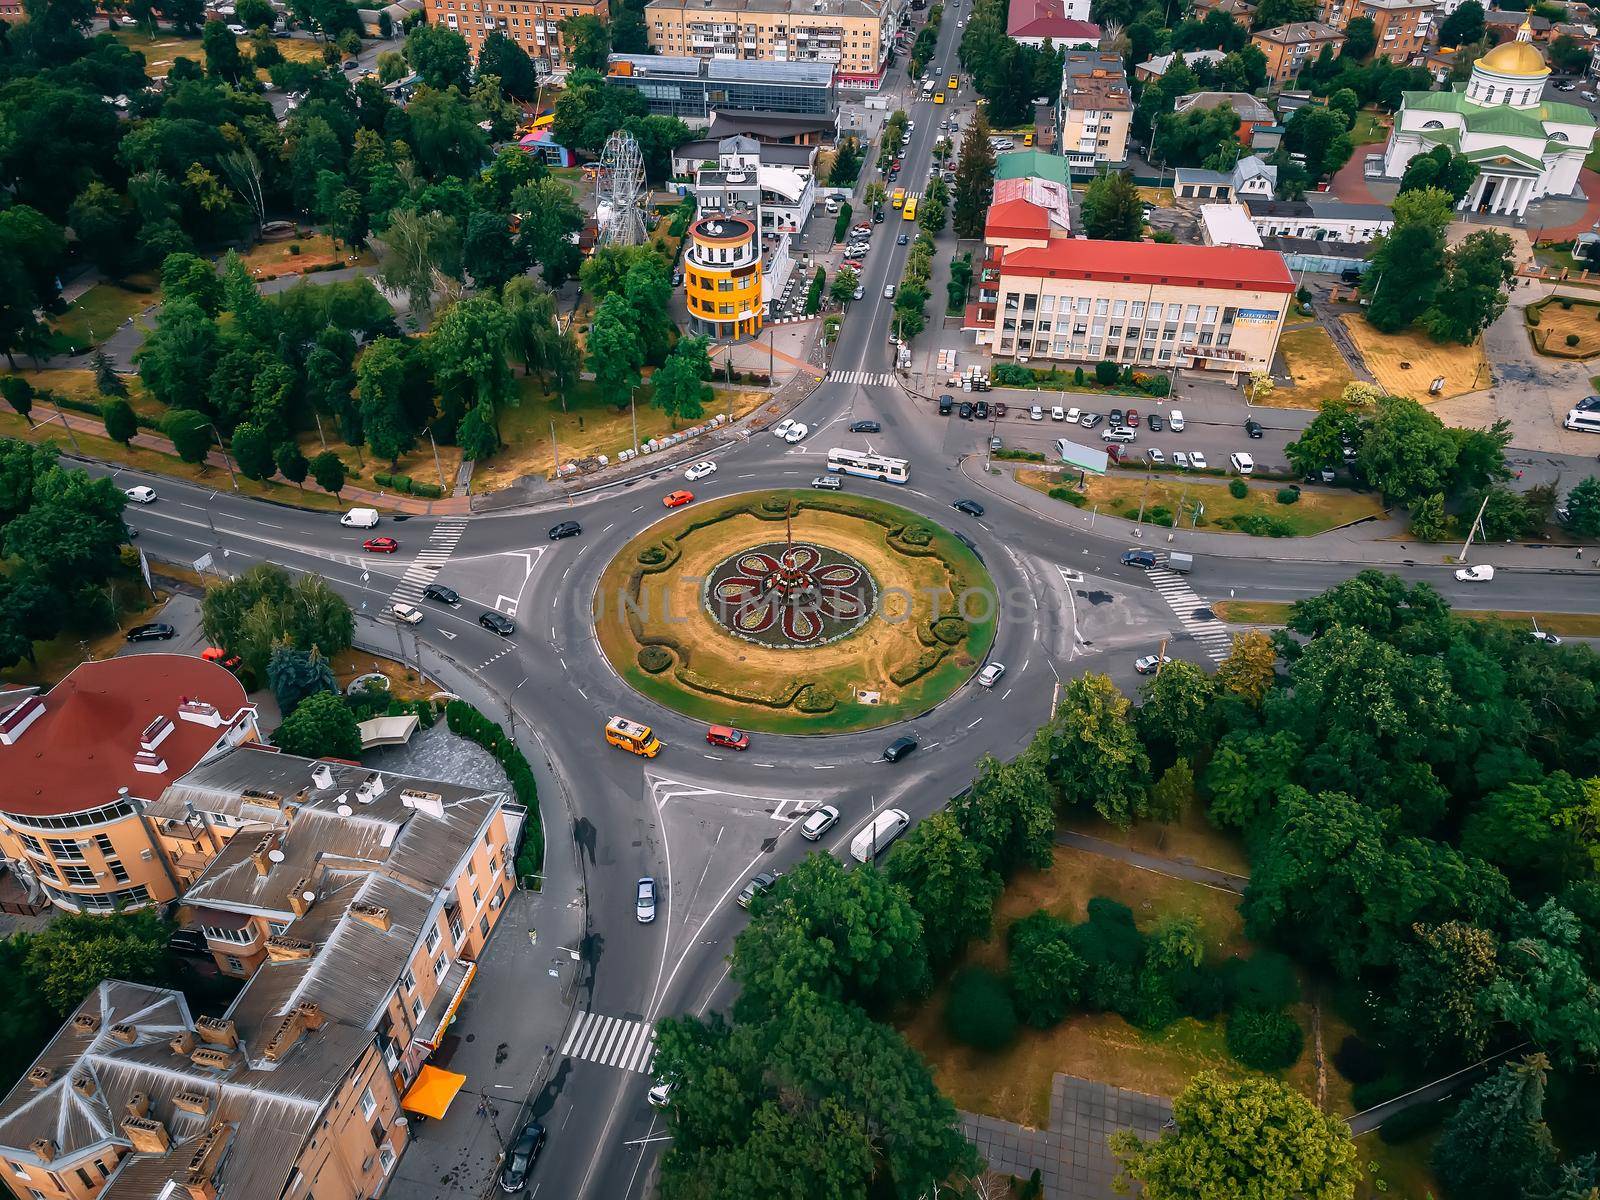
<point>699,819</point>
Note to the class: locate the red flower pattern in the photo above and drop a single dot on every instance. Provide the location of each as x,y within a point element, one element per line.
<point>790,589</point>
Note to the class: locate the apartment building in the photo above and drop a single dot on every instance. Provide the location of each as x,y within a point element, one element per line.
<point>88,757</point>
<point>1096,110</point>
<point>1143,304</point>
<point>1403,28</point>
<point>136,1097</point>
<point>852,36</point>
<point>1316,219</point>
<point>1241,11</point>
<point>1288,48</point>
<point>532,24</point>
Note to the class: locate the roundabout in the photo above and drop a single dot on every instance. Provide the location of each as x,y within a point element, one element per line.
<point>795,612</point>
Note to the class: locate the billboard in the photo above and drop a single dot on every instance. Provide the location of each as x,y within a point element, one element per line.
<point>1085,458</point>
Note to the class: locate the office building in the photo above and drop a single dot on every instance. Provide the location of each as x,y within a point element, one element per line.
<point>533,25</point>
<point>853,37</point>
<point>1288,48</point>
<point>694,89</point>
<point>1144,304</point>
<point>722,277</point>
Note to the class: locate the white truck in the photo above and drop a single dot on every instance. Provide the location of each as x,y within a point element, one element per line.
<point>876,836</point>
<point>360,518</point>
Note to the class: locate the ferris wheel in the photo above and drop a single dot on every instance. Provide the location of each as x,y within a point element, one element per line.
<point>621,188</point>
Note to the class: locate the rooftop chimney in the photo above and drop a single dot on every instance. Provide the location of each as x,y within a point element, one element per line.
<point>266,853</point>
<point>217,1031</point>
<point>425,802</point>
<point>213,1057</point>
<point>17,720</point>
<point>371,788</point>
<point>182,1042</point>
<point>373,914</point>
<point>85,1023</point>
<point>156,732</point>
<point>139,1105</point>
<point>192,1102</point>
<point>83,1084</point>
<point>40,1077</point>
<point>301,897</point>
<point>44,1149</point>
<point>290,1029</point>
<point>283,948</point>
<point>322,776</point>
<point>200,712</point>
<point>149,763</point>
<point>124,1033</point>
<point>147,1135</point>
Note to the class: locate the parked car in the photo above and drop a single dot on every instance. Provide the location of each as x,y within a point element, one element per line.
<point>1253,427</point>
<point>998,405</point>
<point>818,821</point>
<point>497,622</point>
<point>1118,433</point>
<point>1198,460</point>
<point>521,1154</point>
<point>677,499</point>
<point>152,631</point>
<point>858,293</point>
<point>971,507</point>
<point>1057,413</point>
<point>380,545</point>
<point>990,675</point>
<point>444,595</point>
<point>1155,457</point>
<point>946,403</point>
<point>1138,558</point>
<point>1154,423</point>
<point>1035,413</point>
<point>1131,420</point>
<point>965,411</point>
<point>827,483</point>
<point>980,409</point>
<point>644,904</point>
<point>866,427</point>
<point>141,494</point>
<point>899,748</point>
<point>996,444</point>
<point>1175,419</point>
<point>1090,419</point>
<point>1242,463</point>
<point>1481,573</point>
<point>1116,417</point>
<point>1549,639</point>
<point>1180,459</point>
<point>565,529</point>
<point>1150,663</point>
<point>755,886</point>
<point>700,470</point>
<point>781,429</point>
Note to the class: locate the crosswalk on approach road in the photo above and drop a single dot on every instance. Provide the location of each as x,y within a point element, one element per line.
<point>611,1042</point>
<point>866,378</point>
<point>427,565</point>
<point>1212,634</point>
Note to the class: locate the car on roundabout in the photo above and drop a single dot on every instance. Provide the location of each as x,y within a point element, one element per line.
<point>496,622</point>
<point>700,470</point>
<point>827,483</point>
<point>381,545</point>
<point>644,903</point>
<point>565,530</point>
<point>1149,664</point>
<point>1480,573</point>
<point>990,675</point>
<point>971,507</point>
<point>797,432</point>
<point>866,427</point>
<point>406,614</point>
<point>727,735</point>
<point>677,499</point>
<point>781,429</point>
<point>818,822</point>
<point>900,748</point>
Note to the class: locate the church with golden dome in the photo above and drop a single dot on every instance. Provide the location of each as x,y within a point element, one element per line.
<point>1525,146</point>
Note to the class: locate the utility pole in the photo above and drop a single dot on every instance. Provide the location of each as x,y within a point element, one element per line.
<point>555,449</point>
<point>234,478</point>
<point>633,412</point>
<point>436,465</point>
<point>318,420</point>
<point>1473,529</point>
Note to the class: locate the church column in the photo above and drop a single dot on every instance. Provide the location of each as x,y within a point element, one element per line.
<point>1527,196</point>
<point>1475,196</point>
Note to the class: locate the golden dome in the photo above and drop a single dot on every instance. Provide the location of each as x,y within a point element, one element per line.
<point>1515,58</point>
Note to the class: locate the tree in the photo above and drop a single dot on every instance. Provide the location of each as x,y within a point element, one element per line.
<point>19,395</point>
<point>1360,39</point>
<point>1112,210</point>
<point>380,385</point>
<point>1249,1137</point>
<point>1440,168</point>
<point>477,435</point>
<point>1472,294</point>
<point>252,450</point>
<point>1568,55</point>
<point>223,60</point>
<point>490,254</point>
<point>974,179</point>
<point>179,357</point>
<point>263,608</point>
<point>292,464</point>
<point>678,388</point>
<point>70,957</point>
<point>843,288</point>
<point>1410,257</point>
<point>327,469</point>
<point>1006,812</point>
<point>467,351</point>
<point>1273,13</point>
<point>509,63</point>
<point>122,423</point>
<point>102,217</point>
<point>1441,975</point>
<point>1322,135</point>
<point>979,1011</point>
<point>190,433</point>
<point>321,726</point>
<point>106,380</point>
<point>1047,972</point>
<point>295,674</point>
<point>1583,507</point>
<point>1173,721</point>
<point>1265,1039</point>
<point>1464,26</point>
<point>549,216</point>
<point>1173,794</point>
<point>255,14</point>
<point>1093,756</point>
<point>1321,444</point>
<point>1249,770</point>
<point>412,249</point>
<point>1497,1143</point>
<point>587,41</point>
<point>1407,452</point>
<point>439,55</point>
<point>945,876</point>
<point>615,354</point>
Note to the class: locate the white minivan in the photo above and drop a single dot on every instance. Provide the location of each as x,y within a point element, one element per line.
<point>1242,463</point>
<point>360,518</point>
<point>875,838</point>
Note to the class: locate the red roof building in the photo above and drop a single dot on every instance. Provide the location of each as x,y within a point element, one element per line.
<point>1064,23</point>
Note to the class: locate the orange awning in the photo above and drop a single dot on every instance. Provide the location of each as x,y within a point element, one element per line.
<point>432,1092</point>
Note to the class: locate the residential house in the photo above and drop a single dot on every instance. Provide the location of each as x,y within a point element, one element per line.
<point>1064,24</point>
<point>1252,113</point>
<point>534,25</point>
<point>1251,176</point>
<point>1288,48</point>
<point>1096,110</point>
<point>1155,68</point>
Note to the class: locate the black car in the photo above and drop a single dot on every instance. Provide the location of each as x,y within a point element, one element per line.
<point>999,408</point>
<point>866,427</point>
<point>946,403</point>
<point>899,748</point>
<point>1138,558</point>
<point>1253,427</point>
<point>902,240</point>
<point>520,1157</point>
<point>155,631</point>
<point>971,507</point>
<point>565,530</point>
<point>1588,404</point>
<point>981,410</point>
<point>965,411</point>
<point>438,591</point>
<point>1115,417</point>
<point>1155,422</point>
<point>877,216</point>
<point>498,623</point>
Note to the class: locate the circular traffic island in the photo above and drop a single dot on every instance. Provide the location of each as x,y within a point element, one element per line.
<point>796,612</point>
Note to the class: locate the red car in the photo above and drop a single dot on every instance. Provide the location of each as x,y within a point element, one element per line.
<point>726,735</point>
<point>380,545</point>
<point>677,499</point>
<point>1132,418</point>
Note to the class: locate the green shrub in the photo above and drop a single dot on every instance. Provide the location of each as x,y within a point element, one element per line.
<point>1264,980</point>
<point>1531,315</point>
<point>653,556</point>
<point>1237,489</point>
<point>294,247</point>
<point>1409,1123</point>
<point>1069,495</point>
<point>1373,1093</point>
<point>979,1012</point>
<point>1020,455</point>
<point>403,483</point>
<point>1288,495</point>
<point>1566,304</point>
<point>382,480</point>
<point>917,668</point>
<point>1157,385</point>
<point>1257,525</point>
<point>916,535</point>
<point>1159,514</point>
<point>815,698</point>
<point>1077,376</point>
<point>1012,375</point>
<point>1105,373</point>
<point>654,659</point>
<point>775,504</point>
<point>1266,1039</point>
<point>431,491</point>
<point>952,631</point>
<point>1572,339</point>
<point>466,721</point>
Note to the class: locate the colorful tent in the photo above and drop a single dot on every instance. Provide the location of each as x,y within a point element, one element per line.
<point>432,1092</point>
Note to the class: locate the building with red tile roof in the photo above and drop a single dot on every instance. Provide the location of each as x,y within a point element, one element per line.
<point>1064,23</point>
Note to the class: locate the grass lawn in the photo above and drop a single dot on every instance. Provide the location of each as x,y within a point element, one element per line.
<point>1318,369</point>
<point>1276,612</point>
<point>296,255</point>
<point>97,314</point>
<point>416,462</point>
<point>1370,127</point>
<point>404,682</point>
<point>77,383</point>
<point>162,50</point>
<point>1406,364</point>
<point>1316,511</point>
<point>1561,319</point>
<point>60,655</point>
<point>585,428</point>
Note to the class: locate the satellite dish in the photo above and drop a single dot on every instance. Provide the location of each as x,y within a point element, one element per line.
<point>344,810</point>
<point>275,856</point>
<point>308,896</point>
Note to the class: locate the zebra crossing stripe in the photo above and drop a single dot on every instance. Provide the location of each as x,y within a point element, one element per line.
<point>611,1042</point>
<point>429,561</point>
<point>1212,635</point>
<point>870,378</point>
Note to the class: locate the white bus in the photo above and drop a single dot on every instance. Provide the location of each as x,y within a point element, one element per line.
<point>1586,419</point>
<point>869,465</point>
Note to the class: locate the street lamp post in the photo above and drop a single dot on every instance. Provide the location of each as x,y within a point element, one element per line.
<point>225,460</point>
<point>58,415</point>
<point>436,465</point>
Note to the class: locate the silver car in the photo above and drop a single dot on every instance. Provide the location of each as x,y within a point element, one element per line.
<point>818,822</point>
<point>645,904</point>
<point>990,675</point>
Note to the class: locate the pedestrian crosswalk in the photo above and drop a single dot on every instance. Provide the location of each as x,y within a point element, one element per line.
<point>1212,634</point>
<point>866,378</point>
<point>611,1042</point>
<point>426,566</point>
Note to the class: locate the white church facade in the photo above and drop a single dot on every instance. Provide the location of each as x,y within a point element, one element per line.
<point>1525,146</point>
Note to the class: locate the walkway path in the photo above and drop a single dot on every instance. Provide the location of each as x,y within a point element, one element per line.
<point>1174,868</point>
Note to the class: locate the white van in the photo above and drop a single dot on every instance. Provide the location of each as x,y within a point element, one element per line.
<point>875,838</point>
<point>1587,420</point>
<point>1242,463</point>
<point>360,518</point>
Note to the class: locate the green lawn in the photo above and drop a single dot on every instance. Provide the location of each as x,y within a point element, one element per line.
<point>1369,128</point>
<point>96,314</point>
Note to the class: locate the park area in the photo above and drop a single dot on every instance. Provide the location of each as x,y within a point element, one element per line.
<point>1563,327</point>
<point>1406,364</point>
<point>161,51</point>
<point>1316,366</point>
<point>1257,513</point>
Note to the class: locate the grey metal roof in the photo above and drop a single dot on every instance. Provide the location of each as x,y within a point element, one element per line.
<point>1317,208</point>
<point>728,70</point>
<point>773,154</point>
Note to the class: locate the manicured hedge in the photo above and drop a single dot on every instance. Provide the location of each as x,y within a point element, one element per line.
<point>466,721</point>
<point>655,659</point>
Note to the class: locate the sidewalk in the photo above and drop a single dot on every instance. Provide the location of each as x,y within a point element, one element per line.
<point>521,999</point>
<point>1350,545</point>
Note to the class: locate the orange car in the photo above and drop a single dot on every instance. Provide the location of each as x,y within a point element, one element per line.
<point>677,499</point>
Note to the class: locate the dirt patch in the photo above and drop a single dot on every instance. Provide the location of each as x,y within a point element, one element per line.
<point>1558,323</point>
<point>404,682</point>
<point>1406,364</point>
<point>1314,362</point>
